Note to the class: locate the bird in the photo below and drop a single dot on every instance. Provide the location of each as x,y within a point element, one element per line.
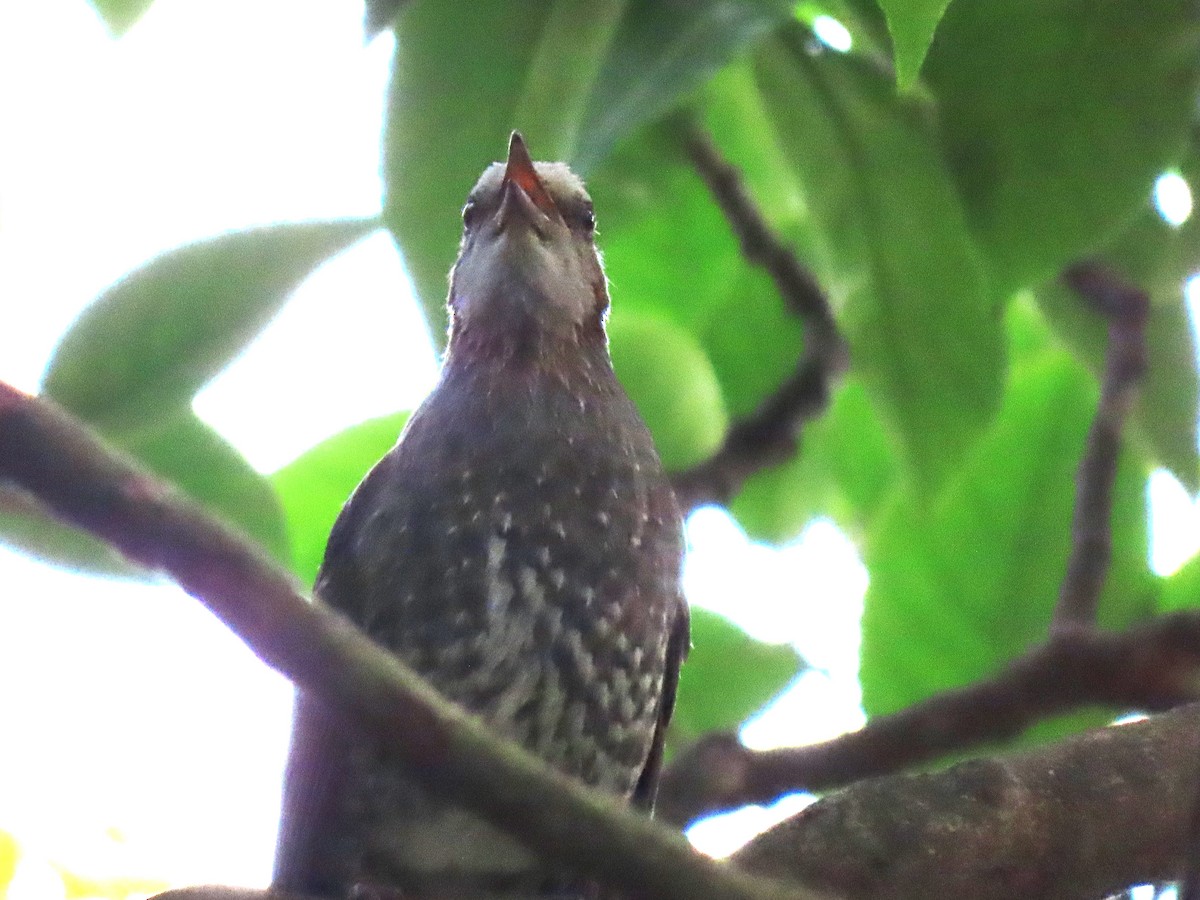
<point>520,548</point>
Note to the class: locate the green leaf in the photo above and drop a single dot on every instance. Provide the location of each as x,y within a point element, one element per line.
<point>864,20</point>
<point>120,15</point>
<point>727,678</point>
<point>1182,590</point>
<point>26,527</point>
<point>960,589</point>
<point>575,39</point>
<point>1158,259</point>
<point>740,121</point>
<point>379,15</point>
<point>1029,335</point>
<point>924,333</point>
<point>314,487</point>
<point>752,341</point>
<point>1057,117</point>
<point>671,381</point>
<point>667,249</point>
<point>132,362</point>
<point>457,81</point>
<point>685,266</point>
<point>663,51</point>
<point>568,74</point>
<point>911,24</point>
<point>845,469</point>
<point>152,340</point>
<point>187,453</point>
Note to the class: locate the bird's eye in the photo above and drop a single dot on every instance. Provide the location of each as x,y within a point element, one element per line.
<point>470,213</point>
<point>588,217</point>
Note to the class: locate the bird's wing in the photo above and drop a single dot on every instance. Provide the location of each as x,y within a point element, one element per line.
<point>677,650</point>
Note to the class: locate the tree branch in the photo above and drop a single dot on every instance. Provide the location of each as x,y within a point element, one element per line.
<point>1127,309</point>
<point>770,435</point>
<point>224,892</point>
<point>1077,666</point>
<point>1152,666</point>
<point>1077,820</point>
<point>49,454</point>
<point>1122,802</point>
<point>1189,887</point>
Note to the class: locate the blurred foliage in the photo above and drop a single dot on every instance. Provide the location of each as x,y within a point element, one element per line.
<point>313,487</point>
<point>10,853</point>
<point>911,24</point>
<point>924,336</point>
<point>576,92</point>
<point>1160,259</point>
<point>936,179</point>
<point>134,359</point>
<point>1056,117</point>
<point>77,879</point>
<point>120,15</point>
<point>671,379</point>
<point>726,678</point>
<point>959,588</point>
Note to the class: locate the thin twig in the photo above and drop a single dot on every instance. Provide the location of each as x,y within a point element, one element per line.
<point>770,435</point>
<point>1127,309</point>
<point>51,455</point>
<point>1152,666</point>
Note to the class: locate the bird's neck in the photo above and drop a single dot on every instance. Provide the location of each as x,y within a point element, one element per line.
<point>577,357</point>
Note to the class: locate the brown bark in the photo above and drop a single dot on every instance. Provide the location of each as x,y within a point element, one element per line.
<point>1077,820</point>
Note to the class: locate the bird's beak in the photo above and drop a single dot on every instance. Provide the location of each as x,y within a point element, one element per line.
<point>520,173</point>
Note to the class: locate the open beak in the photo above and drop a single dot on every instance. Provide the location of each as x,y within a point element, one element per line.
<point>520,173</point>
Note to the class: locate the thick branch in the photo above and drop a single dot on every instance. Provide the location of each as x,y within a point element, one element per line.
<point>1127,309</point>
<point>1152,666</point>
<point>47,453</point>
<point>770,435</point>
<point>1077,820</point>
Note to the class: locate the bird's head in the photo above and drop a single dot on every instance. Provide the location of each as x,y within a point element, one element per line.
<point>528,276</point>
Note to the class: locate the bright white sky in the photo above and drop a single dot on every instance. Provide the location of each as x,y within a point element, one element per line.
<point>141,737</point>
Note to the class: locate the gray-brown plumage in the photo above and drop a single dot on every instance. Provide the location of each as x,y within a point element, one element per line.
<point>519,547</point>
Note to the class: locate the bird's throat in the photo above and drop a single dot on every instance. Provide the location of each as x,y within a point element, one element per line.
<point>575,355</point>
